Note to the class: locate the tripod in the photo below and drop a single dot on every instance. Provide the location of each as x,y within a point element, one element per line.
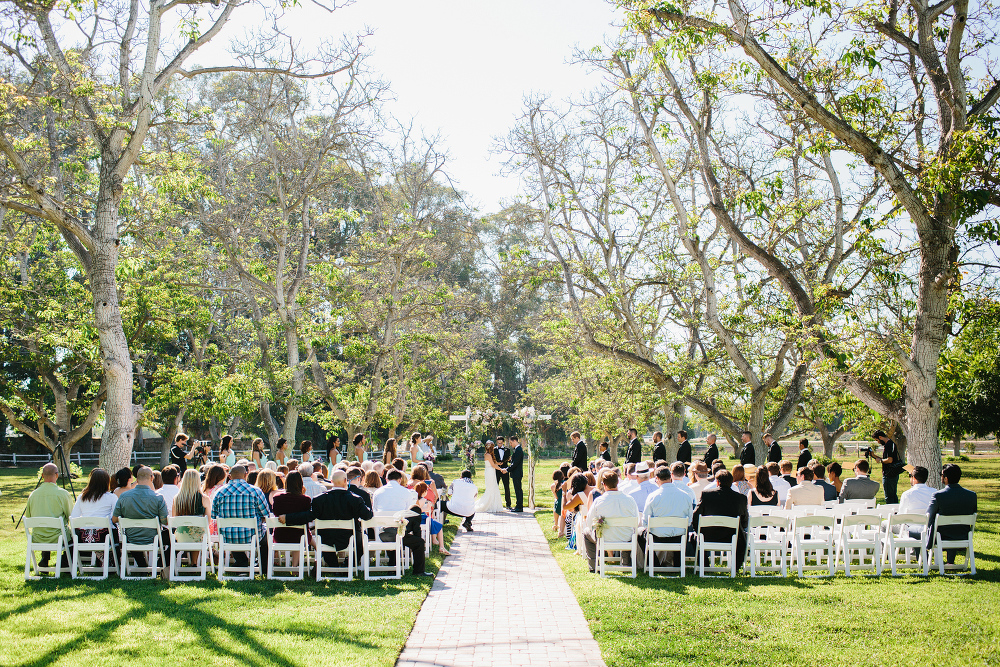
<point>64,474</point>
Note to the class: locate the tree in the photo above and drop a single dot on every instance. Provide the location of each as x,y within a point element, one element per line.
<point>933,160</point>
<point>105,88</point>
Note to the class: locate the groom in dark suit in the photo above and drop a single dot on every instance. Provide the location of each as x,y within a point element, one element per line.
<point>516,470</point>
<point>502,454</point>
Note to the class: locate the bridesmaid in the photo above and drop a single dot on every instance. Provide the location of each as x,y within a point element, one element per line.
<point>282,452</point>
<point>389,452</point>
<point>226,454</point>
<point>360,454</point>
<point>258,454</point>
<point>307,452</point>
<point>333,450</point>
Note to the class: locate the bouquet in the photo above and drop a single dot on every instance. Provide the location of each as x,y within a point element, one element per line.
<point>599,526</point>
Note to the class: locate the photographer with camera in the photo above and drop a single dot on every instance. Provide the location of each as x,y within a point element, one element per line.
<point>179,456</point>
<point>892,465</point>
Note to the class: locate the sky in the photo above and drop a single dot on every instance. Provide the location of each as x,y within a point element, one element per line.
<point>463,67</point>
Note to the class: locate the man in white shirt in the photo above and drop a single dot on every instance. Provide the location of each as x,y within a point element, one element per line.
<point>310,486</point>
<point>630,481</point>
<point>669,500</point>
<point>677,478</point>
<point>805,492</point>
<point>778,482</point>
<point>170,488</point>
<point>643,487</point>
<point>917,499</point>
<point>702,481</point>
<point>612,504</point>
<point>393,497</point>
<point>462,499</point>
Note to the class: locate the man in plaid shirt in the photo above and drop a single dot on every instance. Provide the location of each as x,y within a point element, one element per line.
<point>239,500</point>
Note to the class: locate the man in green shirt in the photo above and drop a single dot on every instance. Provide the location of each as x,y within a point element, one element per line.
<point>48,500</point>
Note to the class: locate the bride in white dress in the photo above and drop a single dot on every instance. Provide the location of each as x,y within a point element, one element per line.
<point>490,500</point>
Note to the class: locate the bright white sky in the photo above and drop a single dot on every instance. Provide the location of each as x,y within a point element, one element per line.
<point>463,67</point>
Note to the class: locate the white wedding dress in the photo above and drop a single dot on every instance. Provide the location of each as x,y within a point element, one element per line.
<point>490,501</point>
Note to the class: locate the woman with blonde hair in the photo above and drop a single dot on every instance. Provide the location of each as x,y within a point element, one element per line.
<point>266,483</point>
<point>190,501</point>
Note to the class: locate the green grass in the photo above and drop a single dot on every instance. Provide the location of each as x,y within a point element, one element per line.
<point>841,621</point>
<point>260,623</point>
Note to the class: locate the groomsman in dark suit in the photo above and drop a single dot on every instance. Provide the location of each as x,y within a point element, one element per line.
<point>805,456</point>
<point>747,455</point>
<point>659,447</point>
<point>684,448</point>
<point>634,452</point>
<point>516,471</point>
<point>580,451</point>
<point>950,501</point>
<point>503,454</point>
<point>605,452</point>
<point>713,451</point>
<point>773,449</point>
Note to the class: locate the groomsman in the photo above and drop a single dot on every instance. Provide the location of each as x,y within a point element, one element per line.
<point>713,451</point>
<point>805,456</point>
<point>684,448</point>
<point>605,452</point>
<point>659,447</point>
<point>580,451</point>
<point>747,455</point>
<point>634,452</point>
<point>773,449</point>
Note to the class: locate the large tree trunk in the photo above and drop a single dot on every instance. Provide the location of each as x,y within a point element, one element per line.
<point>119,412</point>
<point>956,445</point>
<point>673,412</point>
<point>269,426</point>
<point>298,381</point>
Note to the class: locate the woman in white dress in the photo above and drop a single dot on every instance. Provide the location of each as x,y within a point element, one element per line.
<point>490,501</point>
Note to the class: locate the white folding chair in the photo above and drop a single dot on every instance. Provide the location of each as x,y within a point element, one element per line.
<point>767,540</point>
<point>227,548</point>
<point>201,549</point>
<point>860,537</point>
<point>105,548</point>
<point>831,503</point>
<point>285,551</point>
<point>898,543</point>
<point>322,569</point>
<point>374,547</point>
<point>425,533</point>
<point>760,510</point>
<point>32,570</point>
<point>819,543</point>
<point>606,561</point>
<point>653,547</point>
<point>940,545</point>
<point>867,503</point>
<point>152,550</point>
<point>726,550</point>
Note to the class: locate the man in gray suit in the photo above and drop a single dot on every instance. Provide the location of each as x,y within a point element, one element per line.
<point>861,487</point>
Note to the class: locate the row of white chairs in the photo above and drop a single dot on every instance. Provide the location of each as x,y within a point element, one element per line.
<point>813,543</point>
<point>286,560</point>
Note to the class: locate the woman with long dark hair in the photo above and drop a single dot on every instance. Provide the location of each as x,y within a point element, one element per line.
<point>389,451</point>
<point>122,482</point>
<point>763,492</point>
<point>97,500</point>
<point>226,454</point>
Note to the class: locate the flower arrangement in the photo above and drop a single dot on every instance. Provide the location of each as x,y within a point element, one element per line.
<point>599,526</point>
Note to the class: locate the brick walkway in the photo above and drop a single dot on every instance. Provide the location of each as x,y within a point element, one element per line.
<point>500,599</point>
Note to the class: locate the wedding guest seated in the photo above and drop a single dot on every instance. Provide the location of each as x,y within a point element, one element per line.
<point>640,492</point>
<point>427,513</point>
<point>462,499</point>
<point>819,473</point>
<point>171,476</point>
<point>805,492</point>
<point>48,500</point>
<point>393,497</point>
<point>157,480</point>
<point>677,470</point>
<point>141,502</point>
<point>669,500</point>
<point>778,483</point>
<point>420,475</point>
<point>97,500</point>
<point>436,478</point>
<point>337,504</point>
<point>240,500</point>
<point>190,501</point>
<point>917,499</point>
<point>122,482</point>
<point>833,472</point>
<point>311,486</point>
<point>612,504</point>
<point>267,482</point>
<point>860,487</point>
<point>630,478</point>
<point>291,501</point>
<point>700,474</point>
<point>763,493</point>
<point>786,473</point>
<point>740,483</point>
<point>952,500</point>
<point>723,501</point>
<point>371,482</point>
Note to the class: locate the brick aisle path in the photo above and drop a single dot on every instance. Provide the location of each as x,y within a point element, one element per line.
<point>500,599</point>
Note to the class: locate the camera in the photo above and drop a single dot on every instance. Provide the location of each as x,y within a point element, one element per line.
<point>868,452</point>
<point>201,447</point>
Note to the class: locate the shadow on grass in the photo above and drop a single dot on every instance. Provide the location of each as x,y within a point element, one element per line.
<point>214,633</point>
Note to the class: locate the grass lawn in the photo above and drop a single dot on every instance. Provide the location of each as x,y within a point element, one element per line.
<point>841,621</point>
<point>260,623</point>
